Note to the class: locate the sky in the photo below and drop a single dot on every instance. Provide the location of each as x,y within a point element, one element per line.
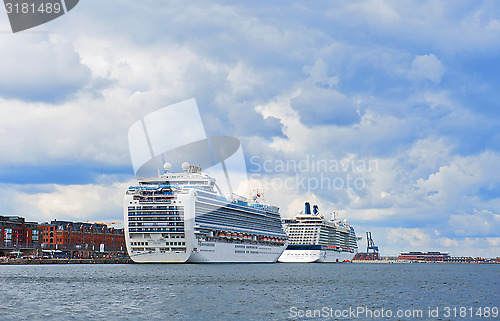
<point>386,112</point>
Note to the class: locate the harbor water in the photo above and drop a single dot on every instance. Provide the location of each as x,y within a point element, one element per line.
<point>249,291</point>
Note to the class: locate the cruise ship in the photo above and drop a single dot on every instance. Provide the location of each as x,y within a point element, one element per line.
<point>184,217</point>
<point>314,238</point>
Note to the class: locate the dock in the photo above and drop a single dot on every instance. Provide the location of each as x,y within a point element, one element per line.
<point>24,261</point>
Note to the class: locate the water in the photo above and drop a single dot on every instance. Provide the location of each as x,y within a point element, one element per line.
<point>245,291</point>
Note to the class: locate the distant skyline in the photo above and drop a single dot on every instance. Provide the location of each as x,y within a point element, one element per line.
<point>410,87</point>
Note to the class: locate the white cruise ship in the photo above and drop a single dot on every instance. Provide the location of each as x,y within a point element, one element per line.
<point>184,217</point>
<point>314,238</point>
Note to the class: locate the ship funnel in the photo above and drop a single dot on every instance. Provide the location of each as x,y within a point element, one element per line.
<point>315,209</point>
<point>308,208</point>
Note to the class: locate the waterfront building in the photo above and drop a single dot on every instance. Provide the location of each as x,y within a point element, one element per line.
<point>424,256</point>
<point>81,240</point>
<point>364,256</point>
<point>58,239</point>
<point>18,237</point>
<point>459,259</point>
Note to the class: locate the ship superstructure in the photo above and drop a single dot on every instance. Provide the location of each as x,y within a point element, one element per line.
<point>184,217</point>
<point>314,238</point>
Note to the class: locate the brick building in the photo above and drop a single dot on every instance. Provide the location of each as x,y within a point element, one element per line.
<point>83,240</point>
<point>18,237</point>
<point>424,257</point>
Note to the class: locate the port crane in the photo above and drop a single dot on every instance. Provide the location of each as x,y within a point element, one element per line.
<point>371,248</point>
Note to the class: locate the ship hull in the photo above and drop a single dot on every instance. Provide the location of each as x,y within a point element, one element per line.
<point>235,253</point>
<point>315,256</point>
<point>216,252</point>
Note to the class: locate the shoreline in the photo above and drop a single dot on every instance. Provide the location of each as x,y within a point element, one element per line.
<point>20,261</point>
<point>419,262</point>
<point>38,261</point>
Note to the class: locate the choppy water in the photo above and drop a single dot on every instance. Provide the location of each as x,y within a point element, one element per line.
<point>244,292</point>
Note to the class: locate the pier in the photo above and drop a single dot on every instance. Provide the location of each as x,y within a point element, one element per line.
<point>26,261</point>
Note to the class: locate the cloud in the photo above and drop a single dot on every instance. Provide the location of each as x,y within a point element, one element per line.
<point>78,131</point>
<point>319,103</point>
<point>94,202</point>
<point>415,237</point>
<point>480,223</point>
<point>40,68</point>
<point>320,106</point>
<point>460,180</point>
<point>397,240</point>
<point>426,67</point>
<point>375,12</point>
<point>427,24</point>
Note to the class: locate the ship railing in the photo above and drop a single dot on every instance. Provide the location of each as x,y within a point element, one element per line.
<point>265,207</point>
<point>153,188</point>
<point>143,199</point>
<point>168,185</point>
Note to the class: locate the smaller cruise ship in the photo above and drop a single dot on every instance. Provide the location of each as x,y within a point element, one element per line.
<point>314,238</point>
